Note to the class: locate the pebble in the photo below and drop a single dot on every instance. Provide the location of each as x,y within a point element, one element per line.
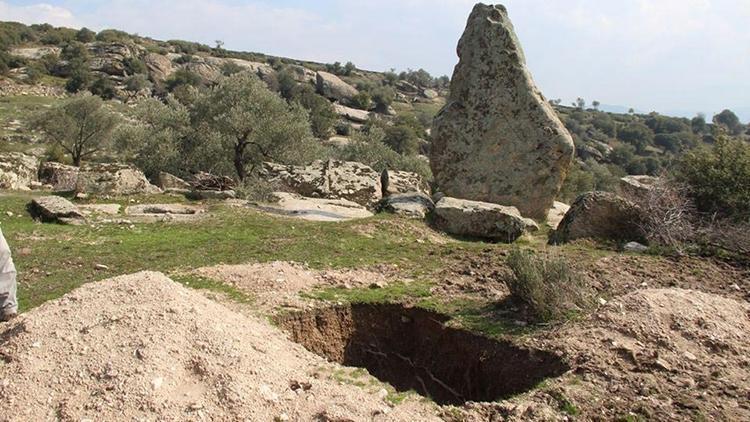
<point>101,267</point>
<point>157,382</point>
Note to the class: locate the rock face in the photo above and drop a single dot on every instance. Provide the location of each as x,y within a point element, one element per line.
<point>497,139</point>
<point>55,209</point>
<point>411,205</point>
<point>159,67</point>
<point>61,177</point>
<point>600,215</point>
<point>114,180</point>
<point>18,171</point>
<point>332,87</point>
<point>331,179</point>
<point>479,219</point>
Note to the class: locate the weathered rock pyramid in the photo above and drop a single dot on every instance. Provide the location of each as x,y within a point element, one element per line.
<point>497,139</point>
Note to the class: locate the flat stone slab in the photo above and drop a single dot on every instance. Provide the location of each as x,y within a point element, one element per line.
<point>314,209</point>
<point>55,209</point>
<point>162,209</point>
<point>100,209</point>
<point>480,219</point>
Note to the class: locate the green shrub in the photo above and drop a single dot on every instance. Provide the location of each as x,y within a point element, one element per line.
<point>322,114</point>
<point>135,66</point>
<point>362,101</point>
<point>103,87</point>
<point>183,77</point>
<point>112,35</point>
<point>80,77</point>
<point>85,35</point>
<point>719,177</point>
<point>547,284</point>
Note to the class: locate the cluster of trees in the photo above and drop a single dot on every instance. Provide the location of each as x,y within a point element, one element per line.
<point>229,128</point>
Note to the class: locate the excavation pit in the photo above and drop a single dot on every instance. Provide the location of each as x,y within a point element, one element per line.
<point>412,349</point>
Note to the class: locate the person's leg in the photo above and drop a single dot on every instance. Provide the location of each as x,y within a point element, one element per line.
<point>8,301</point>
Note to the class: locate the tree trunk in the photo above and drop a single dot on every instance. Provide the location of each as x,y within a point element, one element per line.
<point>77,160</point>
<point>239,164</point>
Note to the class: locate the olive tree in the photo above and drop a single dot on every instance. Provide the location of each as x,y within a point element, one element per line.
<point>252,123</point>
<point>81,126</point>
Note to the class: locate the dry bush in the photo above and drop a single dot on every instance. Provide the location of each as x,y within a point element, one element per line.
<point>668,214</point>
<point>727,236</point>
<point>547,284</point>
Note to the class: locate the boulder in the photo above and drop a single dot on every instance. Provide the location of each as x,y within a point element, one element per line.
<point>395,182</point>
<point>206,71</point>
<point>353,114</point>
<point>159,67</point>
<point>55,209</point>
<point>497,139</point>
<point>430,94</point>
<point>407,87</point>
<point>479,219</point>
<point>410,205</point>
<point>61,177</point>
<point>18,171</point>
<point>171,183</point>
<point>603,216</point>
<point>638,186</point>
<point>556,214</point>
<point>330,179</point>
<point>314,209</point>
<point>113,180</point>
<point>332,87</point>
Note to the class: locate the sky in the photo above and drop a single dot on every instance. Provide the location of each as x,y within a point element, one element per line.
<point>676,57</point>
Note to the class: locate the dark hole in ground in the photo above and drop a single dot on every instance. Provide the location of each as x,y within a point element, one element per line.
<point>412,349</point>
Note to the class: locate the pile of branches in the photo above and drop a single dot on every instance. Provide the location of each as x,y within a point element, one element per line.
<point>210,182</point>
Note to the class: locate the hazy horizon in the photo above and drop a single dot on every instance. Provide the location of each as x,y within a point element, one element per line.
<point>674,57</point>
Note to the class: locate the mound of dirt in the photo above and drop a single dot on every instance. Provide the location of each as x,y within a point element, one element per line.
<point>671,353</point>
<point>140,347</point>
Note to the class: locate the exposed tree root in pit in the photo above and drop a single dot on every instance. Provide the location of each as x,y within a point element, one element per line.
<point>412,349</point>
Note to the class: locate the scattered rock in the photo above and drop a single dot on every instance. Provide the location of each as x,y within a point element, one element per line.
<point>332,87</point>
<point>54,209</point>
<point>479,219</point>
<point>61,177</point>
<point>113,180</point>
<point>411,205</point>
<point>600,215</point>
<point>18,171</point>
<point>497,139</point>
<point>330,179</point>
<point>635,247</point>
<point>353,114</point>
<point>430,94</point>
<point>314,209</point>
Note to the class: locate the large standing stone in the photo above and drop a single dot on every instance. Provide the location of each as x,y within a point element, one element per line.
<point>497,139</point>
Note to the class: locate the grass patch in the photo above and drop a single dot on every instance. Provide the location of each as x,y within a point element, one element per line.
<point>203,283</point>
<point>394,292</point>
<point>53,260</point>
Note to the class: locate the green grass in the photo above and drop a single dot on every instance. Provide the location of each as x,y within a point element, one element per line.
<point>203,283</point>
<point>394,292</point>
<point>53,259</point>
